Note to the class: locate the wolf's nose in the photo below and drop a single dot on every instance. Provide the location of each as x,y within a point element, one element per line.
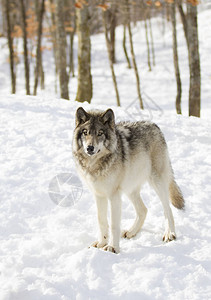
<point>90,149</point>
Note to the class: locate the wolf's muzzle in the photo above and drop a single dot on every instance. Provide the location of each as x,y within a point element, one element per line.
<point>90,150</point>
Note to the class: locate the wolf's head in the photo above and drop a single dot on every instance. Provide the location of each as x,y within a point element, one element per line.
<point>94,132</point>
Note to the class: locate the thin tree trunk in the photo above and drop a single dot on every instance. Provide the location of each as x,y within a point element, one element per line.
<point>175,56</point>
<point>72,66</point>
<point>148,48</point>
<point>108,44</point>
<point>72,35</point>
<point>10,44</point>
<point>53,33</point>
<point>125,48</point>
<point>38,55</point>
<point>26,61</point>
<point>152,41</point>
<point>133,58</point>
<point>112,32</point>
<point>84,91</point>
<point>194,61</point>
<point>61,50</point>
<point>42,75</point>
<point>183,18</point>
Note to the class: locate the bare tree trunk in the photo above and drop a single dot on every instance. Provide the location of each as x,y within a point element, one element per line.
<point>194,61</point>
<point>175,56</point>
<point>10,44</point>
<point>26,61</point>
<point>152,41</point>
<point>53,33</point>
<point>183,18</point>
<point>112,31</point>
<point>72,35</point>
<point>148,48</point>
<point>133,58</point>
<point>84,92</point>
<point>38,55</point>
<point>72,66</point>
<point>125,48</point>
<point>61,50</point>
<point>108,44</point>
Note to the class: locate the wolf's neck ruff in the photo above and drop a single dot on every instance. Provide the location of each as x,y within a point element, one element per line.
<point>95,166</point>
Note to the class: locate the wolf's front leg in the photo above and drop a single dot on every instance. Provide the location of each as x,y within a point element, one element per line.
<point>102,208</point>
<point>115,203</point>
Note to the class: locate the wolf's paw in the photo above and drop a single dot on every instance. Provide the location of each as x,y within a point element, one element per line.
<point>98,244</point>
<point>169,236</point>
<point>127,234</point>
<point>111,249</point>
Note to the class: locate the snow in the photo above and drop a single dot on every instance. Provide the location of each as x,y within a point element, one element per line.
<point>44,246</point>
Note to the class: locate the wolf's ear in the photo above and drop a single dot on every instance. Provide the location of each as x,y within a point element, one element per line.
<point>81,116</point>
<point>108,117</point>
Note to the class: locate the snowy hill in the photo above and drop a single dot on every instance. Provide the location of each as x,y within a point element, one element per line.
<point>44,244</point>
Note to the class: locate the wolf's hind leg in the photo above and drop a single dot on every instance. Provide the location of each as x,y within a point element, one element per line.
<point>162,191</point>
<point>141,212</point>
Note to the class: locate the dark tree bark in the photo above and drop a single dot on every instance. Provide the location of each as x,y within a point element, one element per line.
<point>183,19</point>
<point>133,56</point>
<point>190,26</point>
<point>125,48</point>
<point>10,44</point>
<point>148,47</point>
<point>26,61</point>
<point>72,35</point>
<point>84,91</point>
<point>112,31</point>
<point>194,61</point>
<point>38,52</point>
<point>108,44</point>
<point>61,50</point>
<point>53,34</point>
<point>175,57</point>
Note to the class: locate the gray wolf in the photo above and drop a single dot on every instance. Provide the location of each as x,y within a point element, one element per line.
<point>119,158</point>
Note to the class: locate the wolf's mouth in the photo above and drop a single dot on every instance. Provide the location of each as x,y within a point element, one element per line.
<point>92,153</point>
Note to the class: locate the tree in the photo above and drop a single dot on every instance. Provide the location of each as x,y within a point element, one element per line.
<point>108,44</point>
<point>26,61</point>
<point>194,61</point>
<point>133,55</point>
<point>84,91</point>
<point>38,52</point>
<point>10,44</point>
<point>112,22</point>
<point>61,50</point>
<point>72,34</point>
<point>147,41</point>
<point>175,57</point>
<point>190,26</point>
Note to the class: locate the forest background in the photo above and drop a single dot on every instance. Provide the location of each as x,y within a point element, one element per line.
<point>52,25</point>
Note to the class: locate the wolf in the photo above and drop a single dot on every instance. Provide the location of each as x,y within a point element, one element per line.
<point>116,158</point>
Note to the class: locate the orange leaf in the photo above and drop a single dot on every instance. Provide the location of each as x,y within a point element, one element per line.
<point>78,5</point>
<point>194,2</point>
<point>157,4</point>
<point>103,6</point>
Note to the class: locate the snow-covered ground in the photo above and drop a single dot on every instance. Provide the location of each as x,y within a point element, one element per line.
<point>44,250</point>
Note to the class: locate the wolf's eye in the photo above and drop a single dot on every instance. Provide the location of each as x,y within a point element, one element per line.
<point>100,132</point>
<point>84,131</point>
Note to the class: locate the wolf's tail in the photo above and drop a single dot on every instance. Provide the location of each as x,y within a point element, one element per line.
<point>176,195</point>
